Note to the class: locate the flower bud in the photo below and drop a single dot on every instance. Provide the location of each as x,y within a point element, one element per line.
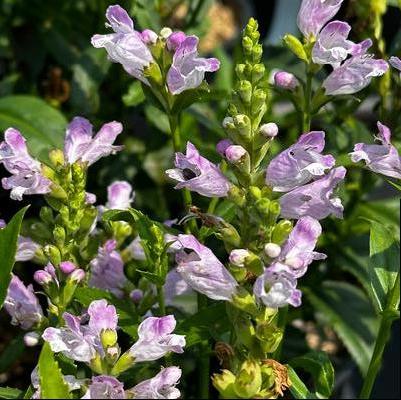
<point>238,256</point>
<point>247,45</point>
<point>77,275</point>
<point>258,101</point>
<point>56,157</point>
<point>108,338</point>
<point>243,124</point>
<point>285,80</point>
<point>148,36</point>
<point>295,46</point>
<point>175,39</point>
<point>249,380</point>
<point>165,32</point>
<point>136,295</point>
<point>269,335</point>
<point>269,130</point>
<point>59,235</point>
<point>281,231</point>
<point>42,277</point>
<point>240,70</point>
<point>153,73</point>
<point>67,267</point>
<point>245,91</point>
<point>263,205</point>
<point>124,362</point>
<point>274,211</point>
<point>224,383</point>
<point>272,250</point>
<point>235,153</point>
<point>258,71</point>
<point>222,146</point>
<point>53,254</point>
<point>257,52</point>
<point>31,339</point>
<point>255,192</point>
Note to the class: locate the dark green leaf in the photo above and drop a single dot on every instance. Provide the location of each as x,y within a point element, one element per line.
<point>297,388</point>
<point>42,125</point>
<point>208,323</point>
<point>52,384</point>
<point>384,262</point>
<point>135,95</point>
<point>318,364</point>
<point>349,312</point>
<point>8,248</point>
<point>10,393</point>
<point>11,353</point>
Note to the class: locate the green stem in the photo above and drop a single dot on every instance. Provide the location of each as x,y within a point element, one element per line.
<point>386,320</point>
<point>307,103</point>
<point>160,298</point>
<point>281,323</point>
<point>204,362</point>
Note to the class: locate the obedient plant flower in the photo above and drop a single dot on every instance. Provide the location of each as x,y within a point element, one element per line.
<point>126,45</point>
<point>175,286</point>
<point>354,75</point>
<point>396,63</point>
<point>105,387</point>
<point>277,287</point>
<point>201,269</point>
<point>26,172</point>
<point>198,174</point>
<point>81,145</point>
<point>83,342</point>
<point>22,304</point>
<point>314,199</point>
<point>300,163</point>
<point>188,69</point>
<point>314,14</point>
<point>223,145</point>
<point>107,269</point>
<point>269,130</point>
<point>333,47</point>
<point>161,386</point>
<point>285,80</point>
<point>381,158</point>
<point>156,339</point>
<point>297,252</point>
<point>119,196</point>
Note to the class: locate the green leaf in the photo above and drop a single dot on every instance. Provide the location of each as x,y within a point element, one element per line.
<point>298,389</point>
<point>42,125</point>
<point>384,262</point>
<point>10,393</point>
<point>52,384</point>
<point>11,353</point>
<point>349,312</point>
<point>208,323</point>
<point>8,248</point>
<point>127,317</point>
<point>318,364</point>
<point>135,95</point>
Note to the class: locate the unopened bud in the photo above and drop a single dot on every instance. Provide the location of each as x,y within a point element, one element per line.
<point>148,36</point>
<point>67,267</point>
<point>136,295</point>
<point>247,45</point>
<point>56,157</point>
<point>255,192</point>
<point>258,101</point>
<point>153,73</point>
<point>295,46</point>
<point>285,80</point>
<point>238,256</point>
<point>281,231</point>
<point>258,72</point>
<point>77,275</point>
<point>222,146</point>
<point>269,335</point>
<point>42,277</point>
<point>245,91</point>
<point>165,32</point>
<point>235,153</point>
<point>108,338</point>
<point>31,339</point>
<point>53,254</point>
<point>244,301</point>
<point>59,235</point>
<point>272,250</point>
<point>257,52</point>
<point>269,130</point>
